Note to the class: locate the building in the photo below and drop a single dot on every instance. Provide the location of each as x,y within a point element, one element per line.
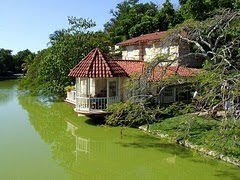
<point>146,47</point>
<point>100,81</point>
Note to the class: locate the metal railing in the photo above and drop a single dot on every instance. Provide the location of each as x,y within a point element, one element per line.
<point>95,103</point>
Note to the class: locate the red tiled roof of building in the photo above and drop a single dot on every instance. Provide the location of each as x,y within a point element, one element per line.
<point>183,71</point>
<point>131,67</point>
<point>161,72</point>
<point>96,65</point>
<point>137,67</point>
<point>157,36</point>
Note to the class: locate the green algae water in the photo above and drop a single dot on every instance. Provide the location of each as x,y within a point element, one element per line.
<point>40,140</point>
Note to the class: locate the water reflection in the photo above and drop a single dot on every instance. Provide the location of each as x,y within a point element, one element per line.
<point>87,146</point>
<point>7,91</point>
<point>82,144</point>
<point>69,149</point>
<point>93,152</point>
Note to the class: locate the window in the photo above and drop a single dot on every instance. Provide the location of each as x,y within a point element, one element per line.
<point>168,95</point>
<point>83,87</point>
<point>112,89</point>
<point>168,92</point>
<point>183,94</point>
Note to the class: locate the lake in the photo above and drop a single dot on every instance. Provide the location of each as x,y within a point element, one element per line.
<point>43,140</point>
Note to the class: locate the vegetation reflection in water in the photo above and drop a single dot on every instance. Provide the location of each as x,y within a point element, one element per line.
<point>6,93</point>
<point>89,151</point>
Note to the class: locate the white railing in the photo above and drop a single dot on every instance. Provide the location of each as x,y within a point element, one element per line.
<point>82,145</point>
<point>71,97</point>
<point>71,128</point>
<point>96,103</point>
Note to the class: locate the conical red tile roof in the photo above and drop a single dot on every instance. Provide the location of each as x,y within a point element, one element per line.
<point>96,65</point>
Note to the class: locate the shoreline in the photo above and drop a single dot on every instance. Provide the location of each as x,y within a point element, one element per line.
<point>11,77</point>
<point>187,144</point>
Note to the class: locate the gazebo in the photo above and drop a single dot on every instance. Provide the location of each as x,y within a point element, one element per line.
<point>98,82</point>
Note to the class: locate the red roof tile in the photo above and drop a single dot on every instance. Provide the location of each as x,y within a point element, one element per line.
<point>96,65</point>
<point>131,67</point>
<point>137,67</point>
<point>157,36</point>
<point>161,72</point>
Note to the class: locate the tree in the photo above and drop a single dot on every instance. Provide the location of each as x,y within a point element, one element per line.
<point>48,74</point>
<point>195,9</point>
<point>31,81</point>
<point>55,37</point>
<point>203,9</point>
<point>6,62</point>
<point>77,25</point>
<point>27,62</point>
<point>237,4</point>
<point>131,19</point>
<point>168,11</point>
<point>168,16</point>
<point>63,56</point>
<point>217,40</point>
<point>19,59</point>
<point>182,2</point>
<point>222,4</point>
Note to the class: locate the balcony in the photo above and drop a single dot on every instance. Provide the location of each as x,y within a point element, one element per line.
<point>94,105</point>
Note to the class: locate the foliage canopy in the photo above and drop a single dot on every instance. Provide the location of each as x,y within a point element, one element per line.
<point>48,74</point>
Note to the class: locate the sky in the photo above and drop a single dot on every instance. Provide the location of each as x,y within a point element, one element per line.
<point>27,24</point>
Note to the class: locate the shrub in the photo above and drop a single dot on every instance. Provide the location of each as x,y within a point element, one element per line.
<point>175,109</point>
<point>129,114</point>
<point>70,88</point>
<point>136,114</point>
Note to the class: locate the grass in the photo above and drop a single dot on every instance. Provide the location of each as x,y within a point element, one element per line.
<point>202,131</point>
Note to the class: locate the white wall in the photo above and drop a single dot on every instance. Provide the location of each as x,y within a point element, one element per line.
<point>130,53</point>
<point>150,50</point>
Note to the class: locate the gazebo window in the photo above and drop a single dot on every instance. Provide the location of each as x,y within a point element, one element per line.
<point>83,87</point>
<point>112,88</point>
